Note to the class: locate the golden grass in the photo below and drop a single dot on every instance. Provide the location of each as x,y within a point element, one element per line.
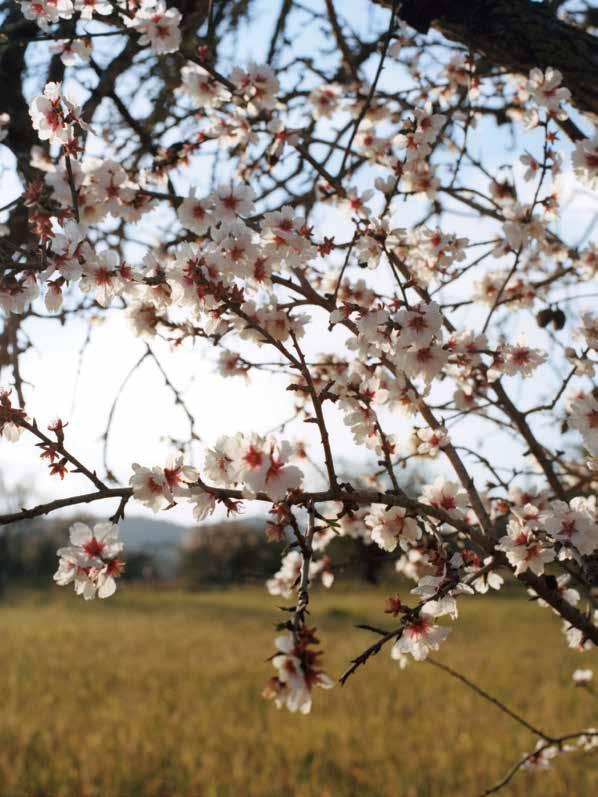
<point>158,695</point>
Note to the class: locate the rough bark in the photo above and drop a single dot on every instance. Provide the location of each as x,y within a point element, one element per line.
<point>516,35</point>
<point>20,134</point>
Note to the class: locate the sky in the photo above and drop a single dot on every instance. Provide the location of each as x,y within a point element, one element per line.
<point>81,389</point>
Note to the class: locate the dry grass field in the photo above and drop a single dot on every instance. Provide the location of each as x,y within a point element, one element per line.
<point>157,694</point>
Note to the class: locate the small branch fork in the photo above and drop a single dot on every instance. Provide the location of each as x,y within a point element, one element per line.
<point>409,616</point>
<point>558,742</point>
<point>396,633</point>
<point>58,446</point>
<point>549,741</point>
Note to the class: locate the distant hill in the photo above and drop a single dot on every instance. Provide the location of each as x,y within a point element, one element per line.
<point>151,536</point>
<point>157,538</point>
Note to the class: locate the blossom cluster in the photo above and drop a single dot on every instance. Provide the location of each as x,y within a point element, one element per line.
<point>256,464</point>
<point>297,671</point>
<point>91,562</point>
<point>157,24</point>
